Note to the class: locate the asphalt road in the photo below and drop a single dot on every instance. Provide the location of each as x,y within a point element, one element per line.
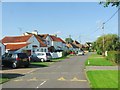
<point>68,73</point>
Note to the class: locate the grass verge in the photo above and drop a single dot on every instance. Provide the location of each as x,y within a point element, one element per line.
<point>103,78</point>
<point>3,80</point>
<point>46,64</point>
<point>98,60</point>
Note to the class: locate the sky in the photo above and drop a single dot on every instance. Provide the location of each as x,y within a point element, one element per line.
<point>78,19</point>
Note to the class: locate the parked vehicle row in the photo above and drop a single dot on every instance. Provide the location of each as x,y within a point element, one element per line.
<point>15,60</point>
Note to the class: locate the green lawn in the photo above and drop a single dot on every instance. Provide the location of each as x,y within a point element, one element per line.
<point>41,64</point>
<point>98,60</point>
<point>3,80</point>
<point>103,78</point>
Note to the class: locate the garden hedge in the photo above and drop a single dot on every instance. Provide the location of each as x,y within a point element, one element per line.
<point>114,56</point>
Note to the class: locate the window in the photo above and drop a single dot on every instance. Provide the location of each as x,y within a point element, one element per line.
<point>45,50</point>
<point>26,46</point>
<point>37,49</point>
<point>10,55</point>
<point>41,50</point>
<point>48,42</point>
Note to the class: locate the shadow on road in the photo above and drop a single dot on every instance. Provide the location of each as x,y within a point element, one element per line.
<point>10,75</point>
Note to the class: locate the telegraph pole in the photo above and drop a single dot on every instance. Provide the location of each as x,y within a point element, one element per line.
<point>103,39</point>
<point>80,38</point>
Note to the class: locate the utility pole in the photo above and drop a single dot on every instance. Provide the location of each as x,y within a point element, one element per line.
<point>103,39</point>
<point>80,38</point>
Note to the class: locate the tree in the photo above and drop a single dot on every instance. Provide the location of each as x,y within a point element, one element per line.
<point>68,40</point>
<point>112,2</point>
<point>111,42</point>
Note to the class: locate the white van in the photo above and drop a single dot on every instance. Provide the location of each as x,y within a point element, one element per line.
<point>42,56</point>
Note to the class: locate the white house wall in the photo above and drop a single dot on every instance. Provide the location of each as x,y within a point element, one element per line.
<point>2,50</point>
<point>57,45</point>
<point>49,41</point>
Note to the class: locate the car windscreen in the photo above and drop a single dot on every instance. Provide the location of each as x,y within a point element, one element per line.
<point>48,54</point>
<point>22,55</point>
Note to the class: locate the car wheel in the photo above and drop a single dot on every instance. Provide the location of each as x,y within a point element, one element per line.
<point>14,65</point>
<point>42,60</point>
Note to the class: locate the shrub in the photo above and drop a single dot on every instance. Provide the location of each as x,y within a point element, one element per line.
<point>64,53</point>
<point>114,56</point>
<point>99,52</point>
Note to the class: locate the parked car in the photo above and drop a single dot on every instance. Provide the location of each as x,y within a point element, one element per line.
<point>15,60</point>
<point>41,56</point>
<point>80,53</point>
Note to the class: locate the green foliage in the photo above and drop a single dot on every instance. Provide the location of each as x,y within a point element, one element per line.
<point>112,2</point>
<point>114,56</point>
<point>111,42</point>
<point>68,40</point>
<point>65,53</point>
<point>99,52</point>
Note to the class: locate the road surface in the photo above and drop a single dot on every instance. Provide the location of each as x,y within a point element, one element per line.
<point>68,73</point>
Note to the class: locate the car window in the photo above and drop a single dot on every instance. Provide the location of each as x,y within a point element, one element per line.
<point>5,55</point>
<point>40,54</point>
<point>22,55</point>
<point>48,54</point>
<point>9,55</point>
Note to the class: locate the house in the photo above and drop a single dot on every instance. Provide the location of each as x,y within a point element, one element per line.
<point>53,42</point>
<point>2,49</point>
<point>77,44</point>
<point>28,43</point>
<point>88,46</point>
<point>72,47</point>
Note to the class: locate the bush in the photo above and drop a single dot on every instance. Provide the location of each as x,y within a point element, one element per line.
<point>99,52</point>
<point>64,53</point>
<point>114,56</point>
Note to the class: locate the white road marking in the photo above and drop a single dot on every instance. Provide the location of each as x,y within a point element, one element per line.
<point>41,84</point>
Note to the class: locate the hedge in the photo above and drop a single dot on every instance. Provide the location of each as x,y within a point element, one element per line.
<point>114,56</point>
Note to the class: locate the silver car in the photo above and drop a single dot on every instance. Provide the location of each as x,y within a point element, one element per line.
<point>41,56</point>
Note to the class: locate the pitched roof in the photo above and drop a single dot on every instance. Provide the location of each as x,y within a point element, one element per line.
<point>15,39</point>
<point>61,40</point>
<point>77,44</point>
<point>15,46</point>
<point>43,36</point>
<point>42,44</point>
<point>71,45</point>
<point>57,39</point>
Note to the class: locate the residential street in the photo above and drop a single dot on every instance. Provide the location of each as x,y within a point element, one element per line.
<point>68,73</point>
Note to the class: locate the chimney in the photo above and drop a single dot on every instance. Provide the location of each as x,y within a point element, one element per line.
<point>35,32</point>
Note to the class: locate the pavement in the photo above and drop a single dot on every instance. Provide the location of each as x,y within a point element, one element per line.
<point>101,68</point>
<point>68,73</point>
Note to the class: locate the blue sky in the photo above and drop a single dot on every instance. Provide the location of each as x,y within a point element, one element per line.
<point>75,19</point>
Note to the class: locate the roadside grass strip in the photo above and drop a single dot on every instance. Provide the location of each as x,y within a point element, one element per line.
<point>41,64</point>
<point>98,60</point>
<point>103,78</point>
<point>46,64</point>
<point>3,80</point>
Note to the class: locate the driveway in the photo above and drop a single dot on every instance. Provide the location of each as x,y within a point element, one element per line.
<point>68,73</point>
